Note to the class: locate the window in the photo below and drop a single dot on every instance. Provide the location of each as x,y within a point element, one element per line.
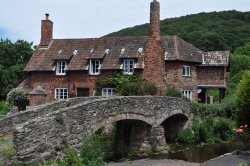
<point>94,67</point>
<point>186,71</point>
<point>128,66</point>
<point>187,93</point>
<point>108,92</point>
<point>61,67</point>
<point>61,93</point>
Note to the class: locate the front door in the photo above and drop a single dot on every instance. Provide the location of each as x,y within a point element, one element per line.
<point>82,92</point>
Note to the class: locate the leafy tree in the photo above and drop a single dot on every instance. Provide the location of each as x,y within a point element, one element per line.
<point>13,57</point>
<point>243,100</point>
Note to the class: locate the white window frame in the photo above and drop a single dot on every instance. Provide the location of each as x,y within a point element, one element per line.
<point>108,92</point>
<point>94,67</point>
<point>128,66</point>
<point>186,71</point>
<point>188,94</point>
<point>61,93</point>
<point>61,67</point>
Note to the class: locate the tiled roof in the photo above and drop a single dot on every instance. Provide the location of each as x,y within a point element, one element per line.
<point>216,58</point>
<point>110,49</point>
<point>178,49</point>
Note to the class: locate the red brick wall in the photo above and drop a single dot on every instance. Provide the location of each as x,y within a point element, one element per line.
<point>212,75</point>
<point>174,77</point>
<point>73,80</point>
<point>46,32</point>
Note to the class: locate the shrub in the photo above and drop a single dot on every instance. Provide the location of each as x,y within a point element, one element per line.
<point>18,97</point>
<point>4,107</point>
<point>127,85</point>
<point>172,91</point>
<point>91,151</point>
<point>186,136</point>
<point>223,129</point>
<point>71,158</point>
<point>243,100</point>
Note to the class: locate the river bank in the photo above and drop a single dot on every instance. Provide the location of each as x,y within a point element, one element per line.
<point>229,159</point>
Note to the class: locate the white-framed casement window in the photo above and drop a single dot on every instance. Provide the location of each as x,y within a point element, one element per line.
<point>61,67</point>
<point>108,92</point>
<point>186,71</point>
<point>128,66</point>
<point>61,93</point>
<point>94,67</point>
<point>187,93</point>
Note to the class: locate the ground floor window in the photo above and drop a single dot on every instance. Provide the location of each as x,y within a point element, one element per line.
<point>187,93</point>
<point>108,92</point>
<point>61,93</point>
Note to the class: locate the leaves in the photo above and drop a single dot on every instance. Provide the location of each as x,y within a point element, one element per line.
<point>13,57</point>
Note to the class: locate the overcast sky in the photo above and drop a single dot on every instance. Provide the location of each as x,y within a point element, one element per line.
<point>21,19</point>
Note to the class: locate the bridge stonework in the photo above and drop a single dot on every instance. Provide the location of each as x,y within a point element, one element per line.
<point>41,138</point>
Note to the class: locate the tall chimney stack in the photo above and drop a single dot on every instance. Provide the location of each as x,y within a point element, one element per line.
<point>154,30</point>
<point>46,31</point>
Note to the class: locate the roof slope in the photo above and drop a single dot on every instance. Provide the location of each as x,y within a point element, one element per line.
<point>110,49</point>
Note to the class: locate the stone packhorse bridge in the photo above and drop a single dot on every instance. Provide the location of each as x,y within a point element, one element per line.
<point>141,123</point>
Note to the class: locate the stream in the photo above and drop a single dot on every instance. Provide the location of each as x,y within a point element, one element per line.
<point>200,154</point>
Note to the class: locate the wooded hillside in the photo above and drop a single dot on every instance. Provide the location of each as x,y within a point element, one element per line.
<point>226,30</point>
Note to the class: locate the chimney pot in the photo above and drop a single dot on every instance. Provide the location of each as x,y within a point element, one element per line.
<point>47,16</point>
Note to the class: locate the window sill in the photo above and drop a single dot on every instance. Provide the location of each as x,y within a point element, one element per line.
<point>128,73</point>
<point>94,74</point>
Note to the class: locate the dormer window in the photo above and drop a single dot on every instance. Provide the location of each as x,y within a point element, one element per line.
<point>61,67</point>
<point>94,67</point>
<point>128,66</point>
<point>186,71</point>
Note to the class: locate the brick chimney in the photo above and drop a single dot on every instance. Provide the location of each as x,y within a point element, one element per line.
<point>154,29</point>
<point>46,31</point>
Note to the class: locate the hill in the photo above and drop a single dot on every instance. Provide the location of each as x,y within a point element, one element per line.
<point>226,30</point>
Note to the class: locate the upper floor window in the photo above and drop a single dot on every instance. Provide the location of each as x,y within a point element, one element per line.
<point>94,67</point>
<point>108,92</point>
<point>186,71</point>
<point>61,67</point>
<point>187,93</point>
<point>61,93</point>
<point>128,66</point>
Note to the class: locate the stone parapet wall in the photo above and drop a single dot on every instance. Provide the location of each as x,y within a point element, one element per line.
<point>41,138</point>
<point>7,122</point>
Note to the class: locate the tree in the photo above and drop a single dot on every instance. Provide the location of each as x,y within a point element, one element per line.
<point>243,100</point>
<point>13,57</point>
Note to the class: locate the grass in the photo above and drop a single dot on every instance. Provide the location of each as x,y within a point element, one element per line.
<point>6,147</point>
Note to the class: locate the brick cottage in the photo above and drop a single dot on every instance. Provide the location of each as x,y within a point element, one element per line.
<point>60,67</point>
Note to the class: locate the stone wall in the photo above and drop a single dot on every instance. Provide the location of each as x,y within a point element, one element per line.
<point>9,121</point>
<point>40,138</point>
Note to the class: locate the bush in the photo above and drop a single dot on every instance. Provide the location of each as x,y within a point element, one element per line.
<point>127,85</point>
<point>91,151</point>
<point>224,109</point>
<point>186,136</point>
<point>71,158</point>
<point>211,129</point>
<point>172,91</point>
<point>4,107</point>
<point>223,129</point>
<point>243,100</point>
<point>18,97</point>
